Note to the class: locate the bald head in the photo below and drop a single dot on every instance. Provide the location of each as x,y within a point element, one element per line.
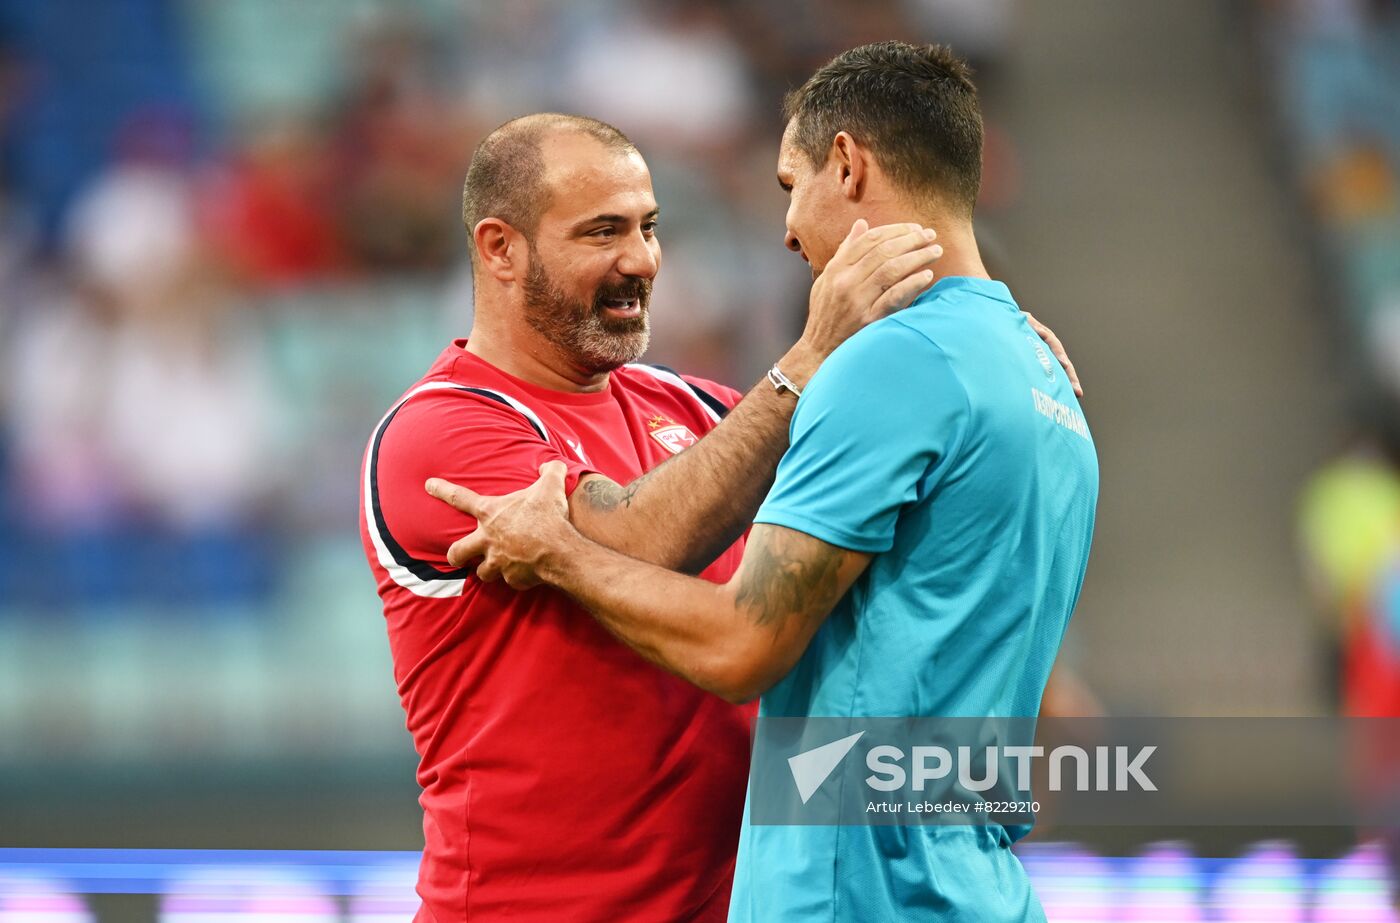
<point>508,178</point>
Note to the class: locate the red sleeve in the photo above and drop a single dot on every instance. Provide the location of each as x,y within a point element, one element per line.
<point>463,438</point>
<point>725,394</point>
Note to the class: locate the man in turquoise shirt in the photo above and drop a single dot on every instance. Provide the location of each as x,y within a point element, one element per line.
<point>938,442</point>
<point>925,539</point>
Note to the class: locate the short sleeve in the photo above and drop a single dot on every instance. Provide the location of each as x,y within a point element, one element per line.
<point>870,432</point>
<point>713,393</point>
<point>461,437</point>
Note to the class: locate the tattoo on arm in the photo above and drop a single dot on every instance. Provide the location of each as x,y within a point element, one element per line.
<point>606,495</point>
<point>791,573</point>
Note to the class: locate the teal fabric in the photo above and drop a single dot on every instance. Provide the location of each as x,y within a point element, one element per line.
<point>946,441</point>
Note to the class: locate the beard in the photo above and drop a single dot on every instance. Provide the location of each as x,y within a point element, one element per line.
<point>582,330</point>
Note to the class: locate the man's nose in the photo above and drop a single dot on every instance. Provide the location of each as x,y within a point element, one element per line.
<point>791,242</point>
<point>638,258</point>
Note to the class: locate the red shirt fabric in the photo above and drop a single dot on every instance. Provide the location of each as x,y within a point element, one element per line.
<point>564,777</point>
<point>1370,671</point>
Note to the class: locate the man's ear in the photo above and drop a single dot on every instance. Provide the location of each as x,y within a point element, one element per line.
<point>852,164</point>
<point>500,249</point>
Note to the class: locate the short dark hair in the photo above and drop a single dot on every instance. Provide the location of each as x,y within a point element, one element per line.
<point>914,105</point>
<point>506,177</point>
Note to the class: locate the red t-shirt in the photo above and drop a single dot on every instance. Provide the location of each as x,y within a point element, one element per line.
<point>564,777</point>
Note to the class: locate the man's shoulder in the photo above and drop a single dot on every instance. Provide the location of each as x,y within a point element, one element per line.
<point>889,382</point>
<point>441,399</point>
<point>710,399</point>
<point>440,419</point>
<point>894,352</point>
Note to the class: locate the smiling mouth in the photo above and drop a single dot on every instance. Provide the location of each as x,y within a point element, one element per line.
<point>623,307</point>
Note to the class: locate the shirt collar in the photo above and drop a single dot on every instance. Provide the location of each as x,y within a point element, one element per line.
<point>989,288</point>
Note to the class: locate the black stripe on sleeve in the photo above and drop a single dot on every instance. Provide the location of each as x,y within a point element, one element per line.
<point>423,570</point>
<point>500,400</point>
<point>708,399</point>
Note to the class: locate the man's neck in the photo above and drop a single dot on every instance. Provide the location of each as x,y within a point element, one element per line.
<point>518,350</point>
<point>960,254</point>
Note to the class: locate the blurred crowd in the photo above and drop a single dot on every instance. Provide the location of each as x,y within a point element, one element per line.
<point>229,235</point>
<point>1335,76</point>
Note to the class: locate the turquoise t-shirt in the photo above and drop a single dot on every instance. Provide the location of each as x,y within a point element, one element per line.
<point>946,441</point>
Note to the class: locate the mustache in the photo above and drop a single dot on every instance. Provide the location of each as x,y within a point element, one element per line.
<point>627,290</point>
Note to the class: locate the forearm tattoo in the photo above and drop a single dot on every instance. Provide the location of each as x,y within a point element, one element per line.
<point>607,495</point>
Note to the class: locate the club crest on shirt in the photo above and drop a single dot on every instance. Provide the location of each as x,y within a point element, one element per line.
<point>1042,357</point>
<point>672,435</point>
